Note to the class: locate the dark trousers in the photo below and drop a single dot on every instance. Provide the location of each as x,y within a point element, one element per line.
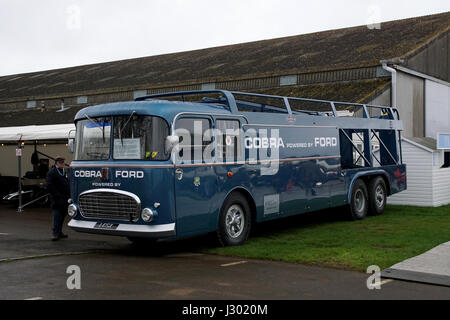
<point>58,221</point>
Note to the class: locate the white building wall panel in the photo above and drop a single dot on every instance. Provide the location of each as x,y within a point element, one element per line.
<point>410,104</point>
<point>437,111</point>
<point>419,178</point>
<point>441,186</point>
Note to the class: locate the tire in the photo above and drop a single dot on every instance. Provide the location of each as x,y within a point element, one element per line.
<point>377,196</point>
<point>234,221</point>
<point>359,203</point>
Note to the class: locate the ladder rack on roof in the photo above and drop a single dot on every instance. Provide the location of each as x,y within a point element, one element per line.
<point>365,131</point>
<point>228,97</point>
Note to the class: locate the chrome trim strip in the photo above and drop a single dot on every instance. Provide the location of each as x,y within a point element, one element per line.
<point>108,165</point>
<point>161,230</point>
<point>224,163</point>
<point>256,162</point>
<point>125,193</point>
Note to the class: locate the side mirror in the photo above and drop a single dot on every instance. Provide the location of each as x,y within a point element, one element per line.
<point>71,145</point>
<point>171,143</point>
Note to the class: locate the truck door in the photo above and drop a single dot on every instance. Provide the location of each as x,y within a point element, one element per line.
<point>229,152</point>
<point>195,179</point>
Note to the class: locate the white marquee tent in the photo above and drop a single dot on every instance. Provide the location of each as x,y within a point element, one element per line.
<point>50,140</point>
<point>30,137</point>
<point>33,133</point>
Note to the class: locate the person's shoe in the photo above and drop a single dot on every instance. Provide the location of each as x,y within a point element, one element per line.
<point>63,236</point>
<point>55,238</point>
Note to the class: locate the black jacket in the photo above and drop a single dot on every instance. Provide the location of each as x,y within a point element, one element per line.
<point>59,189</point>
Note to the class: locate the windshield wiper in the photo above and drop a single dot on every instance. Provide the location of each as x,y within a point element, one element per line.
<point>124,126</point>
<point>92,121</point>
<point>102,128</point>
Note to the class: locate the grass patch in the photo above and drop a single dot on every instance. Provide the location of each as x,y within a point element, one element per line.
<point>323,239</point>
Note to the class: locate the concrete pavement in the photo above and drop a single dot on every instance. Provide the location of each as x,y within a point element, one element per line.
<point>432,267</point>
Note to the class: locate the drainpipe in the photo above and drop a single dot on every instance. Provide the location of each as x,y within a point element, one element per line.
<point>384,64</point>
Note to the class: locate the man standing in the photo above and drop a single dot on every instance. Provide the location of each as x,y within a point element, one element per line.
<point>59,189</point>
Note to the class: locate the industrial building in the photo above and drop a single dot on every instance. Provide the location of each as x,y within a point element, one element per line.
<point>405,63</point>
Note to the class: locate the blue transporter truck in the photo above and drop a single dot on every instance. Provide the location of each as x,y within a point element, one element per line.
<point>180,164</point>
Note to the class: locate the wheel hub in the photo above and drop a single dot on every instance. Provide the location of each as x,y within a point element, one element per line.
<point>234,221</point>
<point>360,201</point>
<point>379,196</point>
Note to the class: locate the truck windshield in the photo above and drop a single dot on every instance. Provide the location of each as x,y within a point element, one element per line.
<point>140,138</point>
<point>134,138</point>
<point>93,139</point>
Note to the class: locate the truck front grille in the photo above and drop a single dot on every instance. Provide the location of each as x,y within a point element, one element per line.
<point>109,205</point>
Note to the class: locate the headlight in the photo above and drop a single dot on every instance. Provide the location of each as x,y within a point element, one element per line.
<point>72,210</point>
<point>147,215</point>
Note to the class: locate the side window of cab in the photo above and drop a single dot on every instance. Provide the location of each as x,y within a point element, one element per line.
<point>195,140</point>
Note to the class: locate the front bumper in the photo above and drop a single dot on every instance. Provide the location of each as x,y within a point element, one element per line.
<point>126,230</point>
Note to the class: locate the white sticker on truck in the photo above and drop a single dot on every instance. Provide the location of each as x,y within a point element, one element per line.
<point>271,204</point>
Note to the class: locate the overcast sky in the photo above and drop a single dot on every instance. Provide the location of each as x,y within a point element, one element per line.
<point>39,35</point>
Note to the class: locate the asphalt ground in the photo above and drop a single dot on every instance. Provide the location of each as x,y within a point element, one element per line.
<point>33,267</point>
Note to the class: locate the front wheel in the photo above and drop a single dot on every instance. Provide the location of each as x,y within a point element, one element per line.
<point>234,221</point>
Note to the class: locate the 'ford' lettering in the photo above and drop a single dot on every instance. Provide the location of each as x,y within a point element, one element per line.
<point>325,142</point>
<point>130,174</point>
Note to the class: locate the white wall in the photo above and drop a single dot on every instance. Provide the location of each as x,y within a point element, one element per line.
<point>419,167</point>
<point>441,186</point>
<point>9,163</point>
<point>410,104</point>
<point>437,110</point>
<point>428,184</point>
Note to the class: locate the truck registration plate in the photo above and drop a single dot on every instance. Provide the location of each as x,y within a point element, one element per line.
<point>106,226</point>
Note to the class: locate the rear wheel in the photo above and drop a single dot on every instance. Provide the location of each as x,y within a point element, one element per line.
<point>234,221</point>
<point>377,196</point>
<point>359,204</point>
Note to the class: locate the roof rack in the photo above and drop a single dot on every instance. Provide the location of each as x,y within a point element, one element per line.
<point>228,97</point>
